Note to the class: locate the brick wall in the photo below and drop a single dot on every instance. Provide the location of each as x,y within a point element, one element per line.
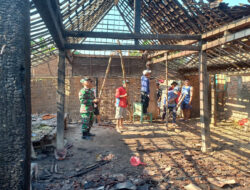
<point>49,68</point>
<point>96,66</point>
<point>233,97</point>
<point>43,97</point>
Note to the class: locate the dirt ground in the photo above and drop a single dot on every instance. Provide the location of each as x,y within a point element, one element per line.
<point>173,158</point>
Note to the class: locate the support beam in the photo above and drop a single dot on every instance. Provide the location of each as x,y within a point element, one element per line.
<point>47,12</point>
<point>60,102</point>
<point>15,104</point>
<point>213,101</point>
<point>127,36</point>
<point>130,47</point>
<point>204,114</point>
<point>236,25</point>
<point>137,18</point>
<point>209,45</point>
<point>166,63</point>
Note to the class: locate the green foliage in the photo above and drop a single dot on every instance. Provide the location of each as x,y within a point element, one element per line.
<point>41,46</point>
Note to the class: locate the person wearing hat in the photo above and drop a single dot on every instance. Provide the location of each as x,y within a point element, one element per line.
<point>172,96</point>
<point>87,98</point>
<point>173,85</point>
<point>121,105</point>
<point>145,89</point>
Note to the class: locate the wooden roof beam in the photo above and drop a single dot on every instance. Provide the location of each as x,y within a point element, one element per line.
<point>85,34</point>
<point>47,12</point>
<point>131,47</point>
<point>209,45</point>
<point>220,30</point>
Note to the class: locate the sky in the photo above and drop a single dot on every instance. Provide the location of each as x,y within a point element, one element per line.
<point>235,2</point>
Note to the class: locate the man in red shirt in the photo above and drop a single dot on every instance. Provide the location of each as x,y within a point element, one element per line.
<point>121,105</point>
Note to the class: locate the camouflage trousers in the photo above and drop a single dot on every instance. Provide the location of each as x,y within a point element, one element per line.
<point>87,121</point>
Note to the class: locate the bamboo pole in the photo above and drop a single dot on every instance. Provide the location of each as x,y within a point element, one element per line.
<point>106,74</point>
<point>124,79</point>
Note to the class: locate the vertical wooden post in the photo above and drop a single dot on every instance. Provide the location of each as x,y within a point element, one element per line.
<point>60,101</point>
<point>204,115</point>
<point>166,56</point>
<point>137,18</point>
<point>15,105</point>
<point>213,101</point>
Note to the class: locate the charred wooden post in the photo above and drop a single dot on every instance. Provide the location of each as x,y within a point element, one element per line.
<point>60,102</point>
<point>137,21</point>
<point>204,114</point>
<point>213,101</point>
<point>15,111</point>
<point>166,62</point>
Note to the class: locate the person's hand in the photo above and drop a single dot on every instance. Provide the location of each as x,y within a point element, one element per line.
<point>189,102</point>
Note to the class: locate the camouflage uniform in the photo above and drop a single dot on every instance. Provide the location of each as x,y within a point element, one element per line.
<point>86,97</point>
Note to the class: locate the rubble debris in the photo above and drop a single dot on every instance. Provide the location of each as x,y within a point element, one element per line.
<point>125,185</point>
<point>90,168</point>
<point>192,186</point>
<point>61,155</point>
<point>119,177</point>
<point>135,161</point>
<point>168,169</point>
<point>109,157</point>
<point>221,182</point>
<point>48,116</point>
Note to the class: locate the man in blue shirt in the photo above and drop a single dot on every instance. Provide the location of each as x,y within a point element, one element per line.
<point>172,96</point>
<point>145,89</point>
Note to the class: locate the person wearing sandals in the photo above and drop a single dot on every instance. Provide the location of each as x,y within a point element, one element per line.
<point>172,96</point>
<point>186,99</point>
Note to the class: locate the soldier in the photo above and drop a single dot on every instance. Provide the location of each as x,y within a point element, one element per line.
<point>87,98</point>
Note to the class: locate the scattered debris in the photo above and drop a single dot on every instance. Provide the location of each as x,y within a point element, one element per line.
<point>90,168</point>
<point>221,182</point>
<point>48,116</point>
<point>125,185</point>
<point>61,155</point>
<point>147,172</point>
<point>168,169</point>
<point>192,186</point>
<point>119,177</point>
<point>109,157</point>
<point>135,161</point>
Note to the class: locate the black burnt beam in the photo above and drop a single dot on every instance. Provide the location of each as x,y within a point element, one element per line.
<point>49,13</point>
<point>137,18</point>
<point>131,47</point>
<point>125,36</point>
